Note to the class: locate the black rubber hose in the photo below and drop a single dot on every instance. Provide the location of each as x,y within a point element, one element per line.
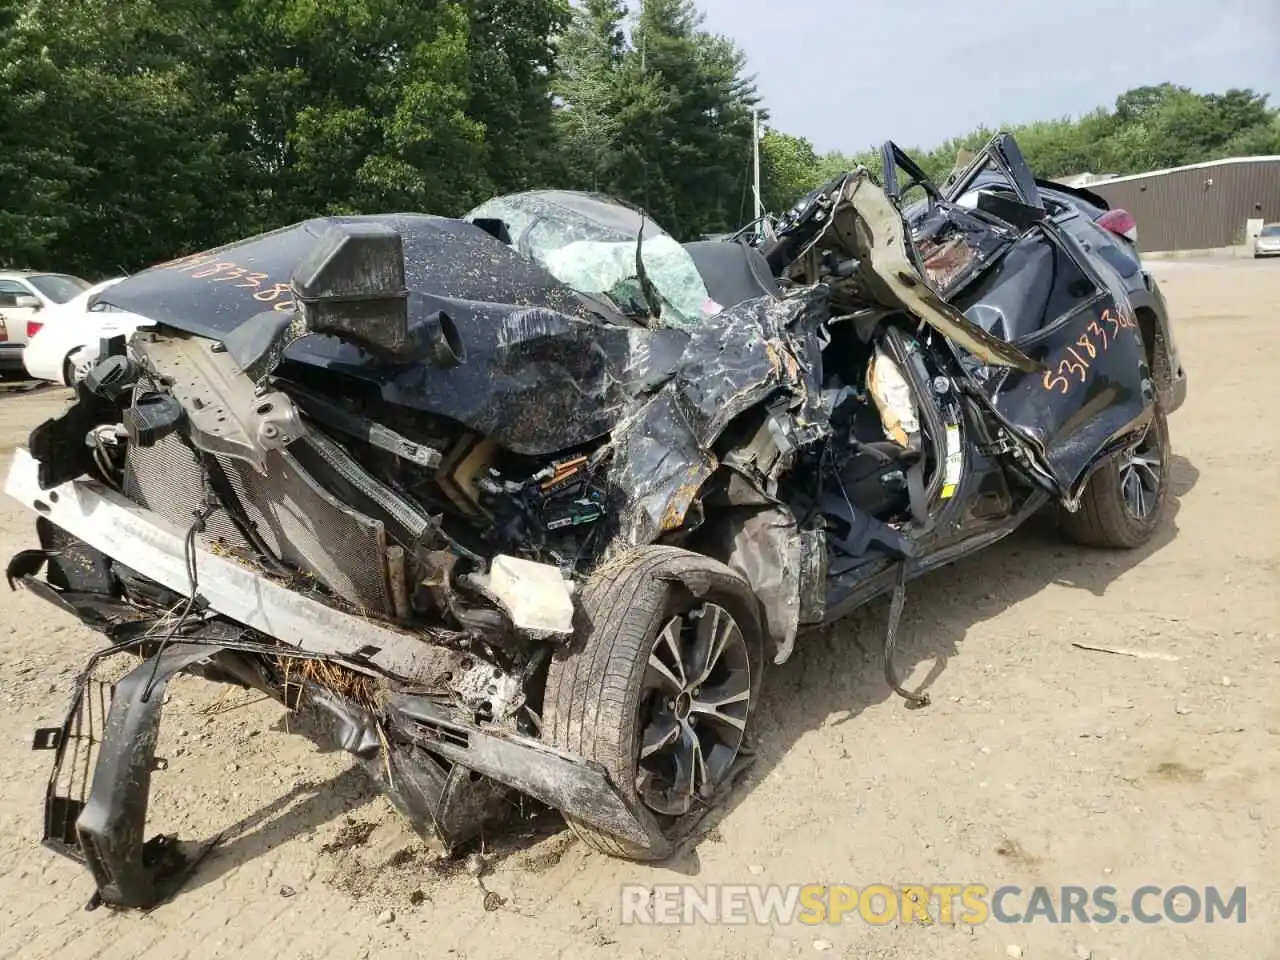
<point>891,641</point>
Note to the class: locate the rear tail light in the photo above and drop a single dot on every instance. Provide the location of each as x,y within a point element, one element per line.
<point>1121,223</point>
<point>33,327</point>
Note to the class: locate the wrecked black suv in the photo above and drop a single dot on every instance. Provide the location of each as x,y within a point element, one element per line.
<point>525,502</point>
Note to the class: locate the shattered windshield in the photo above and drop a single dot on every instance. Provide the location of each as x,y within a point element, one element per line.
<point>589,243</point>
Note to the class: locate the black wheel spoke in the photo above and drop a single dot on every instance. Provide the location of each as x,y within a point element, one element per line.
<point>1132,492</point>
<point>1148,473</point>
<point>658,735</point>
<point>715,631</point>
<point>1141,475</point>
<point>691,769</point>
<point>694,714</point>
<point>727,704</point>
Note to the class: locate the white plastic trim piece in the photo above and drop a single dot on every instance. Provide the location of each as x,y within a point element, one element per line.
<point>535,595</point>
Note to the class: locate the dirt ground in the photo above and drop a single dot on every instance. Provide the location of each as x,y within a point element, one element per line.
<point>1038,762</point>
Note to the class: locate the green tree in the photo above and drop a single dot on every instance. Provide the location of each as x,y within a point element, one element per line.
<point>356,105</point>
<point>589,55</point>
<point>1260,140</point>
<point>135,130</point>
<point>512,53</point>
<point>138,127</point>
<point>1149,128</point>
<point>788,169</point>
<point>37,167</point>
<point>686,110</point>
<point>662,118</point>
<point>1239,110</point>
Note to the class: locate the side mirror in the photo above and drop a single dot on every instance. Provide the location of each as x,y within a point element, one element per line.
<point>25,301</point>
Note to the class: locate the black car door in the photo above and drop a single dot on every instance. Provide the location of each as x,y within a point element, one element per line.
<point>1046,296</point>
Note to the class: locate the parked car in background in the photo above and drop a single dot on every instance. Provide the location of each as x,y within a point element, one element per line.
<point>1267,242</point>
<point>24,296</point>
<point>65,344</point>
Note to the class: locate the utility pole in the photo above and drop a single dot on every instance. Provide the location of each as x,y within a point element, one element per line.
<point>755,158</point>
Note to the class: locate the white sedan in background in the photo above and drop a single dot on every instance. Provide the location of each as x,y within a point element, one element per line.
<point>65,347</point>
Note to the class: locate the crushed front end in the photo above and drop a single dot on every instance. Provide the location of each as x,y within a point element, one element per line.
<point>155,553</point>
<point>216,506</point>
<point>440,718</point>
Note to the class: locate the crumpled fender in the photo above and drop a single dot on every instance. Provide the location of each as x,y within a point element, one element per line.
<point>663,452</point>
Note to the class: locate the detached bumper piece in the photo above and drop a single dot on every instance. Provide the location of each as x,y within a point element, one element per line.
<point>110,736</point>
<point>557,779</point>
<point>424,758</point>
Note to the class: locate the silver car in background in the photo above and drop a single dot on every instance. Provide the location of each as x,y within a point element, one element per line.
<point>1267,242</point>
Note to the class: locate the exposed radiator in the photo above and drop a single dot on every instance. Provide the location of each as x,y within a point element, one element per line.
<point>299,520</point>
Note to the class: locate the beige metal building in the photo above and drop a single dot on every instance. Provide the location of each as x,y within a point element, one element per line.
<point>1204,205</point>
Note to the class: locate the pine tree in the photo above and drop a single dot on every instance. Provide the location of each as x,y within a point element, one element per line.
<point>664,120</point>
<point>588,56</point>
<point>37,168</point>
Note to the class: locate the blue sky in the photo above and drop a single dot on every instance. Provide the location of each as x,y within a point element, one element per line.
<point>850,73</point>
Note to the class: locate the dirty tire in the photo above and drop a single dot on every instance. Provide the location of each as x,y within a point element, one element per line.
<point>594,692</point>
<point>69,370</point>
<point>1104,520</point>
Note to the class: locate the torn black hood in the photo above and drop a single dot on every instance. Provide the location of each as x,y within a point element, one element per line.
<point>544,369</point>
<point>443,258</point>
<point>755,352</point>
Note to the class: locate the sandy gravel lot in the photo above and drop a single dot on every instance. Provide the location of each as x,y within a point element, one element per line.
<point>1038,763</point>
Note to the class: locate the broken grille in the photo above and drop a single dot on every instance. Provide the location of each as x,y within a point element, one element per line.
<point>77,744</point>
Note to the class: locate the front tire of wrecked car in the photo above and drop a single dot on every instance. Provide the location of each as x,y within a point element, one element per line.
<point>661,685</point>
<point>1124,501</point>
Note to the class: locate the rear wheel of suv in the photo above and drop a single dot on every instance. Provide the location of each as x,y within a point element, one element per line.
<point>1125,500</point>
<point>661,686</point>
